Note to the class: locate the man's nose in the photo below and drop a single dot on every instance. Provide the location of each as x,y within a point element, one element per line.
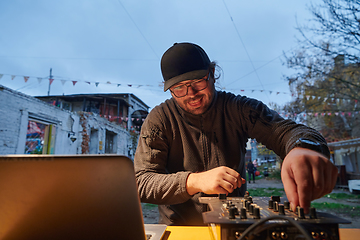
<point>191,90</point>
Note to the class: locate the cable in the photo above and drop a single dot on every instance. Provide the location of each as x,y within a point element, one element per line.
<point>247,53</point>
<point>138,28</point>
<point>259,223</point>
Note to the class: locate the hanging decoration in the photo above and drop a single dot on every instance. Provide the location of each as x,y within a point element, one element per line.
<point>308,97</point>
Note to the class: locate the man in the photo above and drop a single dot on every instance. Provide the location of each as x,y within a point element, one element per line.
<point>251,171</point>
<point>194,144</point>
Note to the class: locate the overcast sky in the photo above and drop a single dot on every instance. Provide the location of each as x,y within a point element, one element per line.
<point>115,46</point>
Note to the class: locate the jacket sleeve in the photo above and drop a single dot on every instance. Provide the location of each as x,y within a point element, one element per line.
<point>155,185</point>
<point>275,132</point>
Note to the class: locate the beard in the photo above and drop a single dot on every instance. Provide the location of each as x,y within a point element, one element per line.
<point>196,109</point>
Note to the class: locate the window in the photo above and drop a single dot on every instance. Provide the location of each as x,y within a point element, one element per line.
<point>40,138</point>
<point>110,142</point>
<point>66,106</point>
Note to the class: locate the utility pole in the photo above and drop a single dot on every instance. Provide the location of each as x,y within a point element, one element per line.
<point>50,77</point>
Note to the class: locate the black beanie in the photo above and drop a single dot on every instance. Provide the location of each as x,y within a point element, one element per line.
<point>183,61</point>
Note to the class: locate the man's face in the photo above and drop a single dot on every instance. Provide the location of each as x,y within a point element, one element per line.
<point>195,102</point>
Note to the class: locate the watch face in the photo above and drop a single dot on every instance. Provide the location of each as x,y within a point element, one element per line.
<point>313,145</point>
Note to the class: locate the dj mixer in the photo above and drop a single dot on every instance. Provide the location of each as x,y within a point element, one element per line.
<point>249,217</point>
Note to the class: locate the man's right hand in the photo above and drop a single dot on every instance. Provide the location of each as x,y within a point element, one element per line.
<point>220,180</point>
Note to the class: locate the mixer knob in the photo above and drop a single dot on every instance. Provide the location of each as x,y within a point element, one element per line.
<point>286,205</point>
<point>247,206</point>
<point>243,203</point>
<point>256,213</point>
<point>276,206</point>
<point>243,213</point>
<point>297,210</point>
<point>251,209</point>
<point>301,213</point>
<point>271,204</point>
<point>230,204</point>
<point>281,209</point>
<point>313,213</point>
<point>275,198</point>
<point>232,212</point>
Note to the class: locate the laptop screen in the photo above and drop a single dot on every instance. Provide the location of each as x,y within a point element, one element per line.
<point>69,197</point>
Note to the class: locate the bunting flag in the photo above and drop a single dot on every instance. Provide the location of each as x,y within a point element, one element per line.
<point>12,77</point>
<point>39,79</point>
<point>26,78</point>
<point>63,82</point>
<point>51,80</point>
<point>1,75</point>
<point>96,84</point>
<point>74,82</point>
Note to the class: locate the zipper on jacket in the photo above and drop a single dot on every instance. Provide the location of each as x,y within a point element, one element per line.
<point>205,146</point>
<point>217,155</point>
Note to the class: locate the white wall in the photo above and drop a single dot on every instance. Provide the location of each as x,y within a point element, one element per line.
<point>16,109</point>
<point>95,122</point>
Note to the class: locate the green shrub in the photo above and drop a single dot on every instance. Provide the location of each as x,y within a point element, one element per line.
<point>276,174</point>
<point>266,192</point>
<point>338,208</point>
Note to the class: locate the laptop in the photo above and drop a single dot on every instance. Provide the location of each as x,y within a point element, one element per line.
<point>71,197</point>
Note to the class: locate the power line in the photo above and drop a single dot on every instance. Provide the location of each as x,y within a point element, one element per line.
<point>138,28</point>
<point>82,58</point>
<point>237,31</point>
<point>268,62</point>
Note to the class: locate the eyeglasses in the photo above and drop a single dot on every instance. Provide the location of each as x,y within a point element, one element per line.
<point>198,85</point>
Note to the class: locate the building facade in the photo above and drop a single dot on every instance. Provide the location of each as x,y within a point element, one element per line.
<point>346,156</point>
<point>30,125</point>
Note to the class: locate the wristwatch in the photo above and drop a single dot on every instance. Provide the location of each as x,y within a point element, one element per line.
<point>312,145</point>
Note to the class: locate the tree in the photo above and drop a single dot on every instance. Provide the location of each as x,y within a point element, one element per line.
<point>327,66</point>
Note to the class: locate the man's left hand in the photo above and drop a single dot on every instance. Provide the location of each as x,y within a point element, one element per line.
<point>307,175</point>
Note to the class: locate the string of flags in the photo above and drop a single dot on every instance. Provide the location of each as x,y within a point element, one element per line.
<point>284,115</point>
<point>315,114</point>
<point>254,90</point>
<point>122,118</point>
<point>320,114</point>
<point>74,82</point>
<point>331,99</point>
